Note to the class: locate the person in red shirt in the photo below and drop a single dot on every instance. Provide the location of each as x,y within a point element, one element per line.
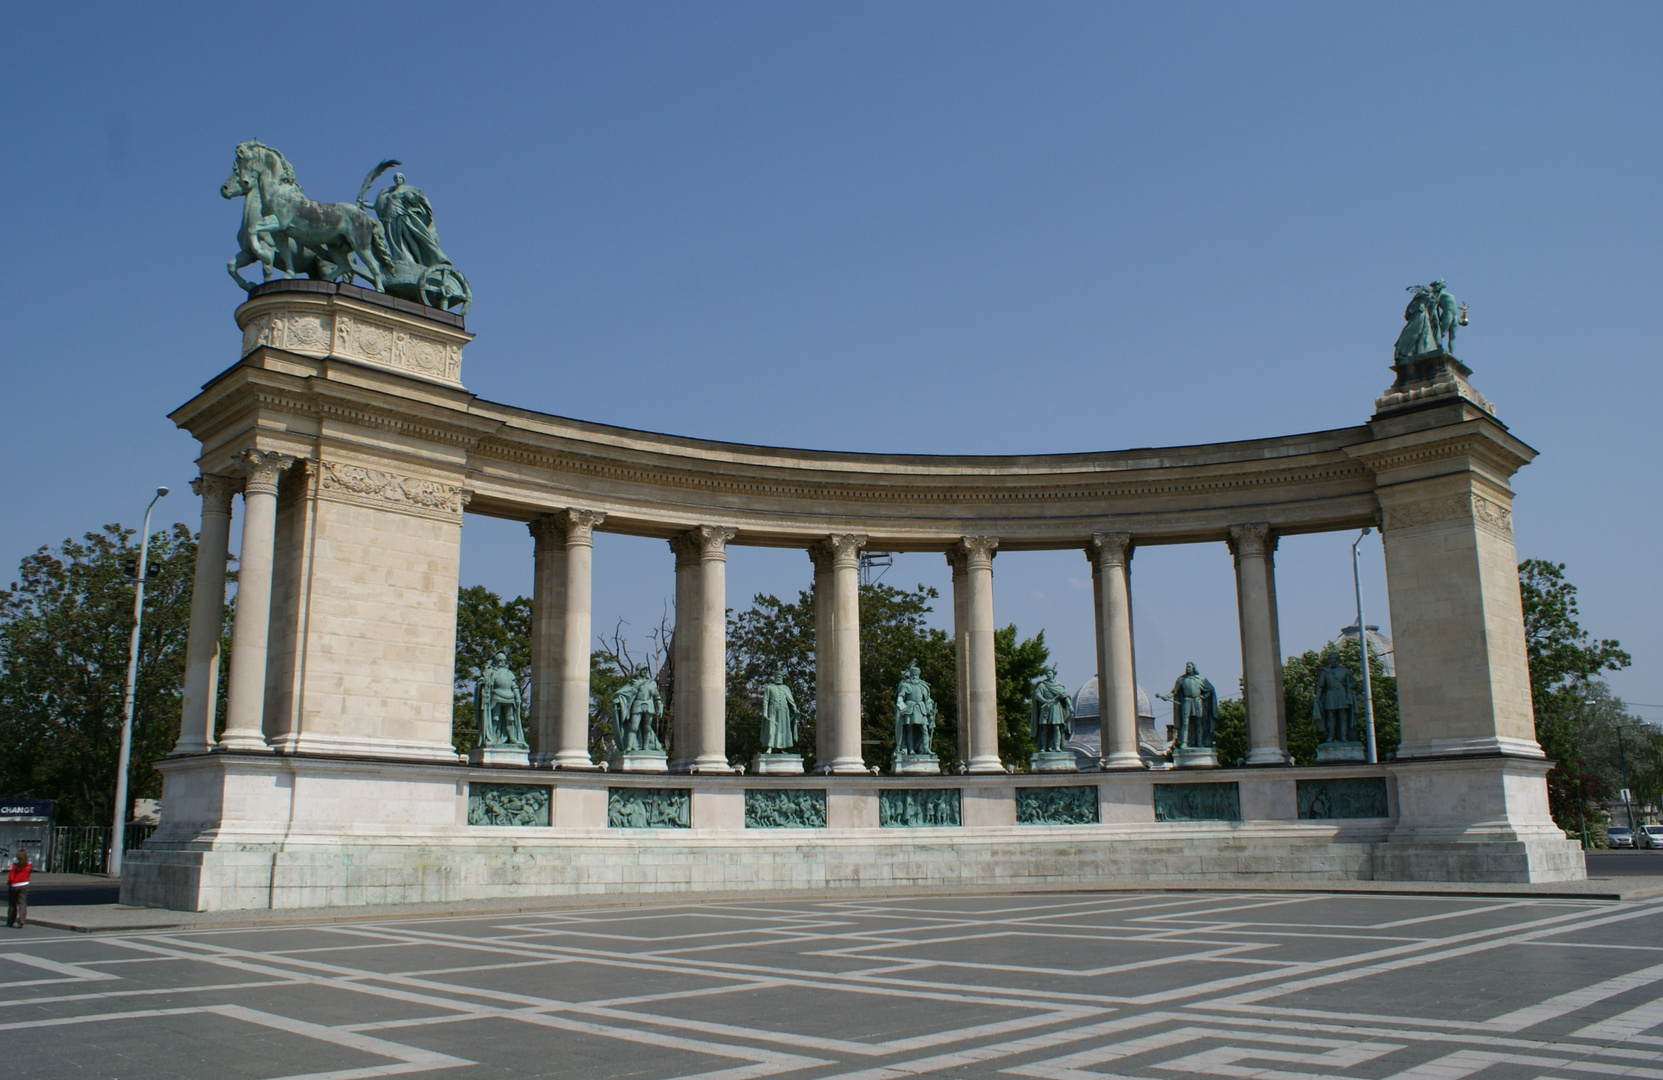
<point>17,890</point>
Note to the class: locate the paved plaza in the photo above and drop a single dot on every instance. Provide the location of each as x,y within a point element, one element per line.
<point>1060,987</point>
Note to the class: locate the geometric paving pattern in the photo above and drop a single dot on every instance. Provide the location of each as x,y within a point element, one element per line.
<point>1169,985</point>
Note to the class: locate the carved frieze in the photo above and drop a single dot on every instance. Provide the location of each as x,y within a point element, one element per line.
<point>918,809</point>
<point>648,808</point>
<point>356,483</point>
<point>1057,805</point>
<point>1343,797</point>
<point>784,808</point>
<point>1197,802</point>
<point>356,336</point>
<point>1487,513</point>
<point>508,804</point>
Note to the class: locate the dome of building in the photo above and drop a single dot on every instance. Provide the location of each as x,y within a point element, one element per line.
<point>1087,742</point>
<point>1379,645</point>
<point>1086,705</point>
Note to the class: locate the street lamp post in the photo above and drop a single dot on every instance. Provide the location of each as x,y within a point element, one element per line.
<point>1363,644</point>
<point>118,831</point>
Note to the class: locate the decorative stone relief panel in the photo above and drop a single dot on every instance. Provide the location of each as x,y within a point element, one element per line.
<point>1486,512</point>
<point>359,484</point>
<point>1197,802</point>
<point>1057,805</point>
<point>649,808</point>
<point>918,808</point>
<point>1359,797</point>
<point>508,804</point>
<point>354,336</point>
<point>785,808</point>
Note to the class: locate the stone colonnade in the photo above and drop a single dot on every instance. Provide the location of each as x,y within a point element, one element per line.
<point>561,629</point>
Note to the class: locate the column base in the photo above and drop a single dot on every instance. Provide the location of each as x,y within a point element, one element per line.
<point>711,763</point>
<point>575,759</point>
<point>239,740</point>
<point>985,764</point>
<point>843,766</point>
<point>1123,759</point>
<point>1479,747</point>
<point>1266,755</point>
<point>199,747</point>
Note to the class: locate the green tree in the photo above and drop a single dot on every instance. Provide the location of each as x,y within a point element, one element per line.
<point>768,635</point>
<point>1016,665</point>
<point>1564,664</point>
<point>486,624</point>
<point>1230,733</point>
<point>1299,680</point>
<point>64,631</point>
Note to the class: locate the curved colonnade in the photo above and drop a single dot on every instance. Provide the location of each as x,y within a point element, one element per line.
<point>347,428</point>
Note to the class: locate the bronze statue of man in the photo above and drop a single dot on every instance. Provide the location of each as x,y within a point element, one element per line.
<point>635,709</point>
<point>1334,704</point>
<point>498,705</point>
<point>779,715</point>
<point>1051,714</point>
<point>914,714</point>
<point>1194,709</point>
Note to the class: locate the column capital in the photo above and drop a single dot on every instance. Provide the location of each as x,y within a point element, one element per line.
<point>711,540</point>
<point>1252,541</point>
<point>261,469</point>
<point>217,492</point>
<point>843,548</point>
<point>977,551</point>
<point>957,559</point>
<point>579,525</point>
<point>819,553</point>
<point>685,547</point>
<point>547,532</point>
<point>1109,549</point>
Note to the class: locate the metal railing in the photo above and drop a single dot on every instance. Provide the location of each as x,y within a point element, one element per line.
<point>85,849</point>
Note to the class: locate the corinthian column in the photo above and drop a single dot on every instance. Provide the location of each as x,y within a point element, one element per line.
<point>685,695</point>
<point>979,677</point>
<point>710,747</point>
<point>1111,554</point>
<point>250,629</point>
<point>1256,606</point>
<point>843,738</point>
<point>572,747</point>
<point>548,627</point>
<point>961,655</point>
<point>196,721</point>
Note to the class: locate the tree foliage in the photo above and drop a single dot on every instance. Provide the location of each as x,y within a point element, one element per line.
<point>1299,681</point>
<point>486,624</point>
<point>65,624</point>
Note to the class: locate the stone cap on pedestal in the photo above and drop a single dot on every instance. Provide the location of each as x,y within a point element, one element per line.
<point>343,322</point>
<point>1434,379</point>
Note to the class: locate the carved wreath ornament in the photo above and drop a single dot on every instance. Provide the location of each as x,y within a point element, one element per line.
<point>374,484</point>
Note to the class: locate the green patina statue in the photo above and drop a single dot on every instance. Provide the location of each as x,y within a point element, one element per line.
<point>779,715</point>
<point>1051,714</point>
<point>636,708</point>
<point>1335,699</point>
<point>499,705</point>
<point>394,246</point>
<point>1429,323</point>
<point>914,715</point>
<point>1194,710</point>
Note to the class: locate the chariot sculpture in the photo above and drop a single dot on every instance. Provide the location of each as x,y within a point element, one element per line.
<point>390,242</point>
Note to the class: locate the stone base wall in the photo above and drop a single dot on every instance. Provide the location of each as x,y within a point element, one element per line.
<point>264,831</point>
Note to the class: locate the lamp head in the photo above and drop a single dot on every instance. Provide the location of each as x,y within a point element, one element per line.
<point>160,492</point>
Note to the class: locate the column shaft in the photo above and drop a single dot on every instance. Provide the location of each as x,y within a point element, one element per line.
<point>845,692</point>
<point>251,628</point>
<point>961,654</point>
<point>981,677</point>
<point>824,665</point>
<point>713,649</point>
<point>685,695</point>
<point>201,690</point>
<point>1251,545</point>
<point>548,626</point>
<point>1116,680</point>
<point>572,749</point>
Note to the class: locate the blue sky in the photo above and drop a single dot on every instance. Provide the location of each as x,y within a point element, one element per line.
<point>919,227</point>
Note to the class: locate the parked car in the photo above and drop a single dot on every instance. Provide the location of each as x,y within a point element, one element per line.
<point>1619,836</point>
<point>1650,836</point>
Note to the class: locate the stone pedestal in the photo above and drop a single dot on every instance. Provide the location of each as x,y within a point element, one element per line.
<point>500,755</point>
<point>777,765</point>
<point>915,765</point>
<point>1341,751</point>
<point>648,761</point>
<point>1053,761</point>
<point>1204,757</point>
